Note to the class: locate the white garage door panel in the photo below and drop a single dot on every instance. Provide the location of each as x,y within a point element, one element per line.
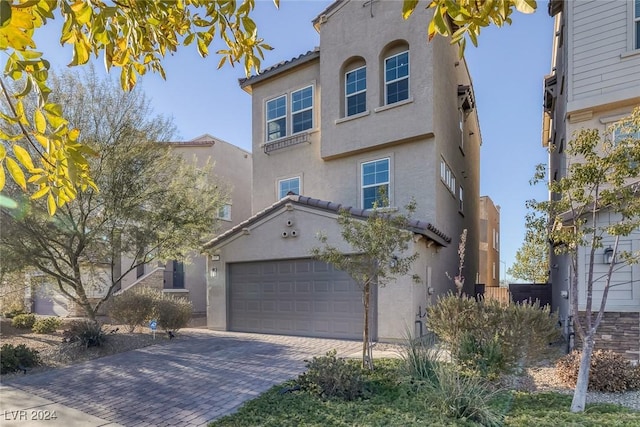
<point>295,297</point>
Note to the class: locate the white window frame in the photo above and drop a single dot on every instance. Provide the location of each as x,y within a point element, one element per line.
<point>378,184</point>
<point>293,113</point>
<point>447,177</point>
<point>267,120</point>
<point>224,212</point>
<point>280,181</point>
<point>461,199</point>
<point>357,92</point>
<point>407,77</point>
<point>494,270</point>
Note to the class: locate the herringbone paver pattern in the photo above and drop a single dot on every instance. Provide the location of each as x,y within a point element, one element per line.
<point>196,378</point>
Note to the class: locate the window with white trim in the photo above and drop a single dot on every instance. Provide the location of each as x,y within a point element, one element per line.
<point>375,183</point>
<point>494,270</point>
<point>447,176</point>
<point>460,199</point>
<point>302,109</point>
<point>355,90</point>
<point>396,78</point>
<point>277,118</point>
<point>289,185</point>
<point>224,212</point>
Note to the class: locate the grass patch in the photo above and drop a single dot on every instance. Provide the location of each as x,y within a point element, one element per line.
<point>552,410</point>
<point>393,399</point>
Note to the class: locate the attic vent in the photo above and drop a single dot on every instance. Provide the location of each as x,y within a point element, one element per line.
<point>550,92</point>
<point>465,98</point>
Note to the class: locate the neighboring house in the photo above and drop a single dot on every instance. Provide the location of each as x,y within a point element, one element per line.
<point>232,169</point>
<point>594,82</point>
<point>489,267</point>
<point>375,107</point>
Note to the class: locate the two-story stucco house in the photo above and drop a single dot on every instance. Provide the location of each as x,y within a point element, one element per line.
<point>594,83</point>
<point>374,107</point>
<point>232,170</point>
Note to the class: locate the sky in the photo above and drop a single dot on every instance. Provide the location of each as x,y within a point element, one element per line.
<point>507,70</point>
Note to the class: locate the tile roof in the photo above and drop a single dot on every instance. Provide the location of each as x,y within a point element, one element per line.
<point>416,226</point>
<point>280,67</point>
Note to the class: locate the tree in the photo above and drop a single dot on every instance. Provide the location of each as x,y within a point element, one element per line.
<point>135,36</point>
<point>152,205</point>
<point>597,202</point>
<point>532,259</point>
<point>378,244</point>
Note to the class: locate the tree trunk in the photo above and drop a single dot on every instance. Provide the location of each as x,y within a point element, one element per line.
<point>580,393</point>
<point>365,335</point>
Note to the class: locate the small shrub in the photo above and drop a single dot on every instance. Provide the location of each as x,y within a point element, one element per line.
<point>330,376</point>
<point>420,357</point>
<point>23,321</point>
<point>88,333</point>
<point>463,397</point>
<point>14,358</point>
<point>172,313</point>
<point>46,325</point>
<point>134,307</point>
<point>609,371</point>
<point>13,313</point>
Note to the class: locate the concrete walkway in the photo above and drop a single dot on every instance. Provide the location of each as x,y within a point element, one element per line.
<point>200,376</point>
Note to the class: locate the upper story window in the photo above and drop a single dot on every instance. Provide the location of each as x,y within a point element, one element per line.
<point>447,176</point>
<point>224,212</point>
<point>302,109</point>
<point>277,118</point>
<point>375,183</point>
<point>289,185</point>
<point>460,200</point>
<point>396,78</point>
<point>355,91</point>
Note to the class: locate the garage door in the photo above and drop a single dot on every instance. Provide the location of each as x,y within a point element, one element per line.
<point>301,297</point>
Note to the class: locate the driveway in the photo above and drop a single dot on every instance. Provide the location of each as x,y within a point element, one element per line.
<point>198,377</point>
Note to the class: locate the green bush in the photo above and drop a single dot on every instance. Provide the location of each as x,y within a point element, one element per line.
<point>420,357</point>
<point>464,397</point>
<point>13,313</point>
<point>330,376</point>
<point>134,307</point>
<point>172,313</point>
<point>14,358</point>
<point>86,332</point>
<point>23,321</point>
<point>609,371</point>
<point>484,356</point>
<point>490,337</point>
<point>46,325</point>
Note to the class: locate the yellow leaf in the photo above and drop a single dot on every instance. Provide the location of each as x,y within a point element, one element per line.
<point>40,121</point>
<point>20,113</point>
<point>40,193</point>
<point>3,152</point>
<point>16,173</point>
<point>51,205</point>
<point>408,6</point>
<point>23,157</point>
<point>2,179</point>
<point>43,140</point>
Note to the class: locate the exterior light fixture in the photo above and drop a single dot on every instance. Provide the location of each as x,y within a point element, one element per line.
<point>393,262</point>
<point>214,272</point>
<point>608,257</point>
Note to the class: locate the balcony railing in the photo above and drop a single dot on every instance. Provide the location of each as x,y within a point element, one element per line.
<point>286,142</point>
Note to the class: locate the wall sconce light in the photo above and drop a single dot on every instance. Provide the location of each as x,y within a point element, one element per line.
<point>393,262</point>
<point>608,257</point>
<point>214,272</point>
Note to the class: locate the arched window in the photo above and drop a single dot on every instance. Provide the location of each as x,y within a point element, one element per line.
<point>395,66</point>
<point>354,87</point>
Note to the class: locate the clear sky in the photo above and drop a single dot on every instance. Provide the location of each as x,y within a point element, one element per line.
<point>507,71</point>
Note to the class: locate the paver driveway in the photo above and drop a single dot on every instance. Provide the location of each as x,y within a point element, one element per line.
<point>196,378</point>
